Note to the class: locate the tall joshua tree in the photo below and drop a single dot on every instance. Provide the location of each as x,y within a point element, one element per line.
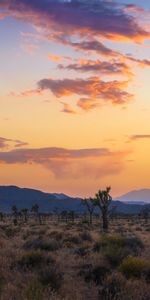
<point>102,200</point>
<point>90,205</point>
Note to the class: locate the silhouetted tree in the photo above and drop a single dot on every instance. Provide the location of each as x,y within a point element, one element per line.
<point>102,200</point>
<point>35,210</point>
<point>64,215</point>
<point>90,205</point>
<point>15,214</point>
<point>145,214</point>
<point>1,216</point>
<point>24,213</point>
<point>71,215</point>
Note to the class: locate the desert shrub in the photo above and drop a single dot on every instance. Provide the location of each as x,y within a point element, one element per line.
<point>34,259</point>
<point>33,290</point>
<point>134,266</point>
<point>138,228</point>
<point>86,236</point>
<point>115,247</point>
<point>138,289</point>
<point>74,239</point>
<point>2,283</point>
<point>147,228</point>
<point>95,274</point>
<point>134,244</point>
<point>57,235</point>
<point>30,260</point>
<point>107,241</point>
<point>115,254</point>
<point>51,277</point>
<point>113,288</point>
<point>82,251</point>
<point>50,245</point>
<point>10,231</point>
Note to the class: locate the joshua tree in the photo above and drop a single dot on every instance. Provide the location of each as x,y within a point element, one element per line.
<point>64,215</point>
<point>71,215</point>
<point>35,210</point>
<point>90,205</point>
<point>145,214</point>
<point>102,200</point>
<point>15,214</point>
<point>24,213</point>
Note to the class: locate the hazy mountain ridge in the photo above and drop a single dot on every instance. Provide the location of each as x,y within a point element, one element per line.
<point>26,197</point>
<point>137,196</point>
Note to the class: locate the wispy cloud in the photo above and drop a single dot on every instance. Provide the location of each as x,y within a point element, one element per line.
<point>7,143</point>
<point>91,87</point>
<point>69,163</point>
<point>98,66</point>
<point>68,109</point>
<point>135,137</point>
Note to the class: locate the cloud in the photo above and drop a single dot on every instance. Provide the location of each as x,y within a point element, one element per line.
<point>82,17</point>
<point>91,87</point>
<point>85,25</point>
<point>135,137</point>
<point>67,108</point>
<point>29,48</point>
<point>7,143</point>
<point>69,163</point>
<point>54,57</point>
<point>94,45</point>
<point>134,8</point>
<point>140,62</point>
<point>98,66</point>
<point>87,104</point>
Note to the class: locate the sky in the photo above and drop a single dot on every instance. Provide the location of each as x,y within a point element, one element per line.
<point>75,95</point>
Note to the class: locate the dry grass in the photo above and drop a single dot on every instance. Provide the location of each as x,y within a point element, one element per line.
<point>61,261</point>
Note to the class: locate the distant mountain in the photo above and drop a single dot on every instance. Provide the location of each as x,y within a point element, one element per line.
<point>137,196</point>
<point>48,202</point>
<point>25,198</point>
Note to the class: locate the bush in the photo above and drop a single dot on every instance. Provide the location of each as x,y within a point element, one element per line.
<point>2,283</point>
<point>113,288</point>
<point>134,244</point>
<point>50,245</point>
<point>134,267</point>
<point>50,276</point>
<point>86,236</point>
<point>34,259</point>
<point>115,247</point>
<point>95,274</point>
<point>30,260</point>
<point>10,231</point>
<point>74,239</point>
<point>33,290</point>
<point>57,235</point>
<point>82,251</point>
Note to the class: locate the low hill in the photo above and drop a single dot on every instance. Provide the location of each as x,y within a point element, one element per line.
<point>25,198</point>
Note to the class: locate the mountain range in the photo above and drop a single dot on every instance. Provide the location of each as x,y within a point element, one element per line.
<point>137,196</point>
<point>132,202</point>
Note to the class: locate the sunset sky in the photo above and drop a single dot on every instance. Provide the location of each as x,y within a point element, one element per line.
<point>75,95</point>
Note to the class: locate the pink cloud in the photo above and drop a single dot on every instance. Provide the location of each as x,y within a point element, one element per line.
<point>91,87</point>
<point>69,163</point>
